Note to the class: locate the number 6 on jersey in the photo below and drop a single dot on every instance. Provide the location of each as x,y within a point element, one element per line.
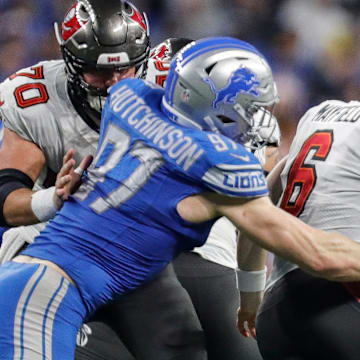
<point>302,174</point>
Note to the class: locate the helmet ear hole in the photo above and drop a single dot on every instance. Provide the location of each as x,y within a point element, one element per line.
<point>128,9</point>
<point>225,120</point>
<point>83,12</point>
<point>209,68</point>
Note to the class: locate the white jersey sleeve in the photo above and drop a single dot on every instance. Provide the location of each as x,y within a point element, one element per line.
<point>35,105</point>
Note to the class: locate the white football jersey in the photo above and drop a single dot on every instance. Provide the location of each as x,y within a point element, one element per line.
<point>321,178</point>
<point>35,104</point>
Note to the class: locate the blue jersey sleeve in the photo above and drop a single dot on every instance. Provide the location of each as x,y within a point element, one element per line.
<point>231,169</point>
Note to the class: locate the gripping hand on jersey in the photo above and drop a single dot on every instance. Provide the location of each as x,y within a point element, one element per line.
<point>68,179</point>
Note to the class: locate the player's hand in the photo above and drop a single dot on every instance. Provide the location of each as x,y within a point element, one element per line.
<point>68,179</point>
<point>250,302</point>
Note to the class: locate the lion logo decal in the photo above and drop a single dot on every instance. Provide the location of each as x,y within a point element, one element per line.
<point>241,80</point>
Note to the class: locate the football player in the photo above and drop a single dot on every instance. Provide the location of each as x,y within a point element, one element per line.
<point>51,112</point>
<point>167,166</point>
<point>312,318</point>
<point>208,272</point>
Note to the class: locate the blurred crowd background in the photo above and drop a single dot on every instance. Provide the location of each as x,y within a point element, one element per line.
<point>313,46</point>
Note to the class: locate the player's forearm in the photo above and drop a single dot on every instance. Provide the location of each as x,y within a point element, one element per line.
<point>250,256</point>
<point>251,273</point>
<point>329,255</point>
<point>340,258</point>
<point>17,208</point>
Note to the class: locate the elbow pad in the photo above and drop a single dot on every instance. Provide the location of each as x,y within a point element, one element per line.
<point>10,180</point>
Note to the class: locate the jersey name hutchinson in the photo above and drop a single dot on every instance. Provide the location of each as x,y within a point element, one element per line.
<point>169,138</point>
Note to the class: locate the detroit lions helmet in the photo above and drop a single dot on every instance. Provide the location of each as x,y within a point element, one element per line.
<point>102,35</point>
<point>223,85</point>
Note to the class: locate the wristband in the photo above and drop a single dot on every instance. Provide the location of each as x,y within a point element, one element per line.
<point>43,205</point>
<point>251,281</point>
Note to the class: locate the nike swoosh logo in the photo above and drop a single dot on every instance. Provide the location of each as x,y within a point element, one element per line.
<point>241,157</point>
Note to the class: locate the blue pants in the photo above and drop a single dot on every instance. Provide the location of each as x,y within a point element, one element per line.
<point>40,313</point>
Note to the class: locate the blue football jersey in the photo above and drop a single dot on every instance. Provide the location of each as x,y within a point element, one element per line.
<point>122,227</point>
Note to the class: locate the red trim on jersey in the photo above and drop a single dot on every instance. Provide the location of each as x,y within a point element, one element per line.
<point>160,54</point>
<point>160,79</point>
<point>162,65</point>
